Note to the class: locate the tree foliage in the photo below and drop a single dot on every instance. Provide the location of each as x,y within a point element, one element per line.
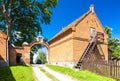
<point>36,47</point>
<point>113,43</point>
<point>21,19</point>
<point>117,52</point>
<point>42,57</point>
<point>108,30</point>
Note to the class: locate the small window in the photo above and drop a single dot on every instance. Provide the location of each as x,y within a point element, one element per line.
<point>92,33</point>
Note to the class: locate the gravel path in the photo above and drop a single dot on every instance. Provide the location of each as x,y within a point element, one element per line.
<point>42,77</point>
<point>59,76</point>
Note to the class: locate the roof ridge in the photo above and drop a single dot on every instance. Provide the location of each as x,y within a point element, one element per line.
<point>73,24</point>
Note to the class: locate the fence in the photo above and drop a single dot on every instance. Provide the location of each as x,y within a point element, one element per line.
<point>104,68</point>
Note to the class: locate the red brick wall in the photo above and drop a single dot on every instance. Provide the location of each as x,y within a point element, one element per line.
<point>25,51</point>
<point>61,49</point>
<point>82,35</point>
<point>3,48</point>
<point>12,56</point>
<point>3,42</point>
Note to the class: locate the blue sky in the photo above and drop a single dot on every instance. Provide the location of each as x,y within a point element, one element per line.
<point>66,11</point>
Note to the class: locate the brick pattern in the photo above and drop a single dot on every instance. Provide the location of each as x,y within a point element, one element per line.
<point>3,43</point>
<point>83,32</point>
<point>25,51</point>
<point>12,56</point>
<point>62,50</point>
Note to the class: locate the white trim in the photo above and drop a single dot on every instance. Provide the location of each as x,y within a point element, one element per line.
<point>7,52</point>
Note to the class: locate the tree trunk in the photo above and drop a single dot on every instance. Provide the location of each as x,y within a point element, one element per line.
<point>9,34</point>
<point>8,22</point>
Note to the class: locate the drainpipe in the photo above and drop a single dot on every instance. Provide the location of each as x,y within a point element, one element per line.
<point>7,51</point>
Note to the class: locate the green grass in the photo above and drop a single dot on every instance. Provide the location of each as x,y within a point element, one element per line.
<point>80,75</point>
<point>16,73</point>
<point>49,75</point>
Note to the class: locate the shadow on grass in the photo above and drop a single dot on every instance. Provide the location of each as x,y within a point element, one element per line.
<point>19,65</point>
<point>5,72</point>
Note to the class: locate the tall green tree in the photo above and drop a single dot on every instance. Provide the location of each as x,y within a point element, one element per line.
<point>117,52</point>
<point>42,57</point>
<point>21,19</point>
<point>113,43</point>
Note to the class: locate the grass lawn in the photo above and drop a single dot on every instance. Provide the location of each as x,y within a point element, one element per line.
<point>16,73</point>
<point>79,75</point>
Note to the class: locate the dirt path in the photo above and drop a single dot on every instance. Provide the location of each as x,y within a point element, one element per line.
<point>59,76</point>
<point>42,77</point>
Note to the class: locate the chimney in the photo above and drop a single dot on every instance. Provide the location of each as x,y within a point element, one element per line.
<point>92,8</point>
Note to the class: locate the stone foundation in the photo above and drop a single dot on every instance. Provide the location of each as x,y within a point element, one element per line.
<point>66,64</point>
<point>3,63</point>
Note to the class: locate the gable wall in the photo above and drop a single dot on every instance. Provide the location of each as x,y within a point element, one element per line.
<point>82,36</point>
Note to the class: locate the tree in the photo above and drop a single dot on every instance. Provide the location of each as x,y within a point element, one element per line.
<point>113,43</point>
<point>21,19</point>
<point>108,30</point>
<point>42,57</point>
<point>117,52</point>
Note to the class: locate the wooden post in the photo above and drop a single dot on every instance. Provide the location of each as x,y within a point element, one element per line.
<point>110,68</point>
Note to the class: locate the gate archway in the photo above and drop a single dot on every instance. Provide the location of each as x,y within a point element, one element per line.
<point>42,43</point>
<point>35,56</point>
<point>27,47</point>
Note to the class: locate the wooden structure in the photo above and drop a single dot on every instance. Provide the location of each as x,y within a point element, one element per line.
<point>104,68</point>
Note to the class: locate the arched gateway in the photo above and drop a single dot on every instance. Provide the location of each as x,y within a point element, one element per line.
<point>42,43</point>
<point>24,51</point>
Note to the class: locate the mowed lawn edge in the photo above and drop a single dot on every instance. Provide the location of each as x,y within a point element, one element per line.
<point>80,74</point>
<point>16,73</point>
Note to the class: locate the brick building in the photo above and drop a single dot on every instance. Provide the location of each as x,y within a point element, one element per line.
<point>3,49</point>
<point>83,39</point>
<point>83,36</point>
